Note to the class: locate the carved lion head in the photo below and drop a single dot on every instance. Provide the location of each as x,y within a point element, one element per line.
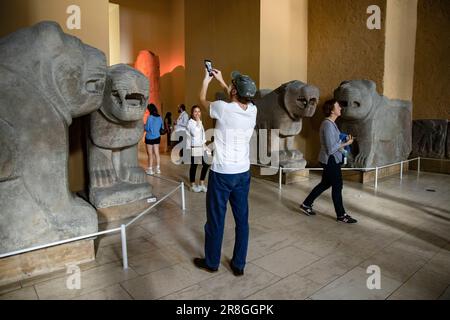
<point>299,99</point>
<point>126,95</point>
<point>357,98</point>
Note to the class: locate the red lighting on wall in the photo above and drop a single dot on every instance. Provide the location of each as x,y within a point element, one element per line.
<point>148,63</point>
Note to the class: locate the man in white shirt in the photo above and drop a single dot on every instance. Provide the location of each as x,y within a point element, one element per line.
<point>183,119</point>
<point>229,177</point>
<point>181,129</point>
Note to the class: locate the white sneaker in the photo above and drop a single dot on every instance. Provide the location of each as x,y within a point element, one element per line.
<point>195,188</point>
<point>158,170</point>
<point>149,171</point>
<point>203,188</point>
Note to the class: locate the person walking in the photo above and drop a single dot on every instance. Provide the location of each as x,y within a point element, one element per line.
<point>153,138</point>
<point>330,158</point>
<point>229,177</point>
<point>196,144</point>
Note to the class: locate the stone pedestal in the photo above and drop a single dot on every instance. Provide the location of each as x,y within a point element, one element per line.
<point>117,213</point>
<point>369,176</point>
<point>39,262</point>
<point>436,166</point>
<point>288,176</point>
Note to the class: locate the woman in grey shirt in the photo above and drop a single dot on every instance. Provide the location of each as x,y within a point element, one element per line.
<point>330,157</point>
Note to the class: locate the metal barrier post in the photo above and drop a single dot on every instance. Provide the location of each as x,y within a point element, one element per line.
<point>280,179</point>
<point>183,201</point>
<point>401,170</point>
<point>124,246</point>
<point>418,166</point>
<point>376,178</point>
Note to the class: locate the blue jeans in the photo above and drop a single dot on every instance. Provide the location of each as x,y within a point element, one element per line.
<point>221,189</point>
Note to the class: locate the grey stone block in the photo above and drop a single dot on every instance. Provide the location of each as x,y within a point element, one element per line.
<point>47,78</point>
<point>448,141</point>
<point>429,138</point>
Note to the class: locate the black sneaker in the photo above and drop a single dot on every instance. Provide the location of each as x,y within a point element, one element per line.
<point>201,263</point>
<point>236,271</point>
<point>346,219</point>
<point>307,210</point>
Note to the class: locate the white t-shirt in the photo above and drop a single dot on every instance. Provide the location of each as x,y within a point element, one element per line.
<point>182,122</point>
<point>196,134</point>
<point>232,134</point>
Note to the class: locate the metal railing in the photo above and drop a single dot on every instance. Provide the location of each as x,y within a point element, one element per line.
<point>122,228</point>
<point>377,169</point>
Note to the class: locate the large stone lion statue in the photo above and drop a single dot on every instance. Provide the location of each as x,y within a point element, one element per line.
<point>283,109</point>
<point>381,126</point>
<point>115,131</point>
<point>47,78</point>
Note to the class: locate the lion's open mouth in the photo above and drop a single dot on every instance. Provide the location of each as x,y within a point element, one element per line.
<point>134,99</point>
<point>131,100</point>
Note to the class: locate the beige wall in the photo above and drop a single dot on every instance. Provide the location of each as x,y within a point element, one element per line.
<point>227,32</point>
<point>94,18</point>
<point>114,34</point>
<point>284,42</point>
<point>431,98</point>
<point>340,47</point>
<point>158,26</point>
<point>284,45</point>
<point>401,22</point>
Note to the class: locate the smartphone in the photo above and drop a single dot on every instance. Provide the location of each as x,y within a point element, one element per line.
<point>208,66</point>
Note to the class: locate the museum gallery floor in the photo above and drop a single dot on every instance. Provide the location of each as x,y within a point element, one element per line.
<point>403,229</point>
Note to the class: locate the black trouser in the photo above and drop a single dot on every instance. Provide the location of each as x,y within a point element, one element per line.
<point>193,169</point>
<point>331,177</point>
<point>180,140</point>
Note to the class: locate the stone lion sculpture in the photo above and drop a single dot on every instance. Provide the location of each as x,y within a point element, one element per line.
<point>115,131</point>
<point>381,126</point>
<point>48,78</point>
<point>283,109</point>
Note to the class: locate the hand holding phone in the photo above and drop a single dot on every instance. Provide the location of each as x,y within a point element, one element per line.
<point>208,65</point>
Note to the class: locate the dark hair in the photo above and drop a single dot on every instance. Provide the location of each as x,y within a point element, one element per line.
<point>182,107</point>
<point>192,111</point>
<point>168,118</point>
<point>153,110</point>
<point>328,107</point>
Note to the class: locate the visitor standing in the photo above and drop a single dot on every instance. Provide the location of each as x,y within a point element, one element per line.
<point>229,177</point>
<point>153,138</point>
<point>196,144</point>
<point>181,128</point>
